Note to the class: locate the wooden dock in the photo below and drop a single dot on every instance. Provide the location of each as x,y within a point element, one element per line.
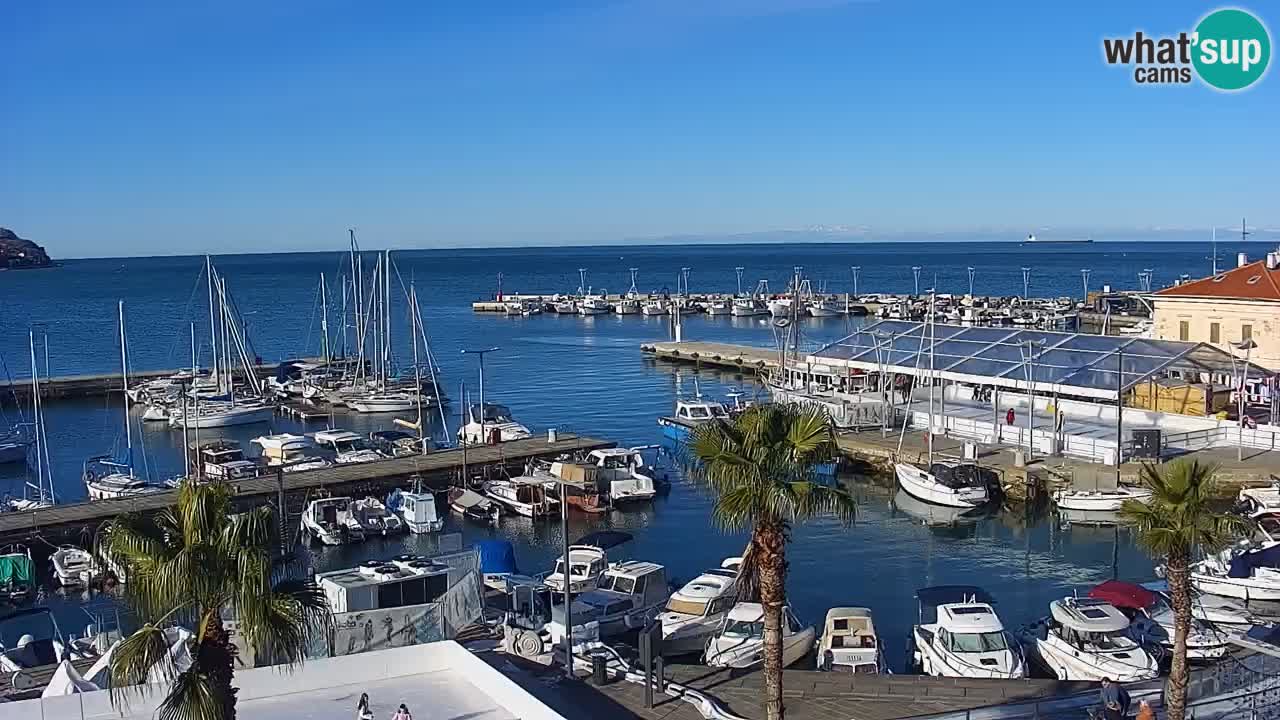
<point>722,355</point>
<point>436,468</point>
<point>78,386</point>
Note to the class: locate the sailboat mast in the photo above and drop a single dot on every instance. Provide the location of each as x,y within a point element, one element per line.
<point>213,327</point>
<point>35,408</point>
<point>124,382</point>
<point>386,316</point>
<point>933,335</point>
<point>324,317</point>
<point>417,373</point>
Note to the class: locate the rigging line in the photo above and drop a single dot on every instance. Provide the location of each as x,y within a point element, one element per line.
<point>311,322</point>
<point>180,336</point>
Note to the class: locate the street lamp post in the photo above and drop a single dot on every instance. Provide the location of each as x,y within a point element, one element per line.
<point>971,272</point>
<point>1026,283</point>
<point>1247,345</point>
<point>915,273</point>
<point>481,352</point>
<point>1084,279</point>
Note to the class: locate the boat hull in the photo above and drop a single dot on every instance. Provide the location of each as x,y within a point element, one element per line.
<point>1098,501</point>
<point>224,419</point>
<point>1247,589</point>
<point>920,485</point>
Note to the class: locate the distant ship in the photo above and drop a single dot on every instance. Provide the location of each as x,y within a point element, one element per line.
<point>1033,240</point>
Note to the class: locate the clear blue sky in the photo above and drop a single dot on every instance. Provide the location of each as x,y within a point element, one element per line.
<point>162,127</point>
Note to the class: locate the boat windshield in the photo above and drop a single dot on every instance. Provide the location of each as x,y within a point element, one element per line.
<point>977,642</point>
<point>353,445</point>
<point>575,569</point>
<point>1118,640</point>
<point>686,607</point>
<point>744,629</point>
<point>618,583</point>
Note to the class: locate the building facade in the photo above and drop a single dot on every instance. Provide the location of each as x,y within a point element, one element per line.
<point>1225,310</point>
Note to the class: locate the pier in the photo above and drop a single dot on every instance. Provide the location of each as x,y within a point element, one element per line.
<point>721,355</point>
<point>84,386</point>
<point>436,469</point>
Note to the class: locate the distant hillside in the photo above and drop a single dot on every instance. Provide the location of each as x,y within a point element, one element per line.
<point>16,253</point>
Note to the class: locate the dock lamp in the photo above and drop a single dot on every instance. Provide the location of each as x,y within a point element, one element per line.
<point>1247,345</point>
<point>481,352</point>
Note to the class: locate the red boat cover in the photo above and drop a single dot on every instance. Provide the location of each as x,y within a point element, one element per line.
<point>1123,594</point>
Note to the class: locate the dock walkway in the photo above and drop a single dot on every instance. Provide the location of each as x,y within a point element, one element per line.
<point>436,468</point>
<point>724,355</point>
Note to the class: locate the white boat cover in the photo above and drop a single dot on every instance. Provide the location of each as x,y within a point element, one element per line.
<point>66,681</point>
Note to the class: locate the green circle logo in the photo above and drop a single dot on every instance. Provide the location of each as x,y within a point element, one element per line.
<point>1232,49</point>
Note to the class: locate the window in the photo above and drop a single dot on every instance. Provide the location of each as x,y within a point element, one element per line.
<point>977,642</point>
<point>1246,332</point>
<point>1184,330</point>
<point>1215,332</point>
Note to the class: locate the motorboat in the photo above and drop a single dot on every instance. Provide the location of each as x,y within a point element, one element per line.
<point>29,652</point>
<point>375,518</point>
<point>588,559</point>
<point>397,443</point>
<point>739,643</point>
<point>960,635</point>
<point>1210,609</point>
<point>695,612</point>
<point>564,305</point>
<point>594,305</point>
<point>688,415</point>
<point>523,307</point>
<point>1259,499</point>
<point>748,307</point>
<point>628,305</point>
<point>1151,621</point>
<point>224,460</point>
<point>73,567</point>
<point>417,508</point>
<point>330,521</point>
<point>719,306</point>
<point>655,306</point>
<point>521,496</point>
<point>1087,639</point>
<point>1100,500</point>
<point>620,470</point>
<point>960,485</point>
<point>106,479</point>
<point>850,643</point>
<point>780,307</point>
<point>497,425</point>
<point>384,402</point>
<point>1244,572</point>
<point>474,506</point>
<point>291,453</point>
<point>628,597</point>
<point>348,447</point>
<point>825,307</point>
<point>17,573</point>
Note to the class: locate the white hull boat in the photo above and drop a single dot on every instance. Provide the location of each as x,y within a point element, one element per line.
<point>375,518</point>
<point>593,305</point>
<point>651,308</point>
<point>73,567</point>
<point>720,307</point>
<point>627,306</point>
<point>1086,639</point>
<point>223,417</point>
<point>527,499</point>
<point>825,308</point>
<point>155,413</point>
<point>748,307</point>
<point>695,612</point>
<point>740,641</point>
<point>926,486</point>
<point>850,644</point>
<point>329,520</point>
<point>1100,500</point>
<point>117,485</point>
<point>1249,575</point>
<point>417,509</point>
<point>780,307</point>
<point>383,402</point>
<point>960,635</point>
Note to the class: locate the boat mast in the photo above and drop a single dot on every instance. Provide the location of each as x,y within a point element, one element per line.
<point>933,335</point>
<point>386,317</point>
<point>124,381</point>
<point>213,331</point>
<point>186,426</point>
<point>324,318</point>
<point>35,408</point>
<point>417,375</point>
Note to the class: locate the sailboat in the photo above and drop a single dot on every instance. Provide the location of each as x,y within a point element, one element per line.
<point>940,483</point>
<point>106,477</point>
<point>385,394</point>
<point>43,488</point>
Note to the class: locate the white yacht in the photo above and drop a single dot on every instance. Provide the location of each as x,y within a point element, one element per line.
<point>695,612</point>
<point>1100,500</point>
<point>375,518</point>
<point>73,567</point>
<point>850,643</point>
<point>523,497</point>
<point>1241,572</point>
<point>720,306</point>
<point>655,306</point>
<point>291,453</point>
<point>960,635</point>
<point>825,307</point>
<point>349,448</point>
<point>622,470</point>
<point>593,305</point>
<point>739,643</point>
<point>588,559</point>
<point>106,479</point>
<point>330,521</point>
<point>630,594</point>
<point>417,509</point>
<point>221,414</point>
<point>384,402</point>
<point>1151,620</point>
<point>1086,639</point>
<point>1259,499</point>
<point>949,484</point>
<point>497,424</point>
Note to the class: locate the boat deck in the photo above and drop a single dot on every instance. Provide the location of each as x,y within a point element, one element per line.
<point>436,468</point>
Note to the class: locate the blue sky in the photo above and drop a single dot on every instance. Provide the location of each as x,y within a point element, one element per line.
<point>160,127</point>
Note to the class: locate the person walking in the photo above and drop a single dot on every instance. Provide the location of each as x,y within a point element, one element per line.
<point>1115,700</point>
<point>1009,417</point>
<point>362,708</point>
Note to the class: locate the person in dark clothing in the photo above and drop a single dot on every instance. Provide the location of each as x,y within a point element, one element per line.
<point>1008,417</point>
<point>1115,700</point>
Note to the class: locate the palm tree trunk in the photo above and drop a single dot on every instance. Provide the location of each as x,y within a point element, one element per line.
<point>770,542</point>
<point>217,656</point>
<point>1180,594</point>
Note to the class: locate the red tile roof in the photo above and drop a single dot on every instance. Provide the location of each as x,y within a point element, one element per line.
<point>1249,282</point>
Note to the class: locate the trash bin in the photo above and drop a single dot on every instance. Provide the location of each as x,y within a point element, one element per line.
<point>598,673</point>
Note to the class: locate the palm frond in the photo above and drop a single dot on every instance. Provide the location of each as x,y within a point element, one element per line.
<point>193,695</point>
<point>134,660</point>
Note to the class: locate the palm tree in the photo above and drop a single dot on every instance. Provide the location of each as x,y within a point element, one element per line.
<point>1177,521</point>
<point>760,466</point>
<point>191,562</point>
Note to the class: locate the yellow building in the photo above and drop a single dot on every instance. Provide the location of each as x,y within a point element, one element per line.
<point>1239,304</point>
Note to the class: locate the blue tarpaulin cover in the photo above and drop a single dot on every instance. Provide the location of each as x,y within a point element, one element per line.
<point>1242,566</point>
<point>496,557</point>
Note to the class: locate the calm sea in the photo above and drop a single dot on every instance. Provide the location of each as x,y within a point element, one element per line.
<point>587,375</point>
